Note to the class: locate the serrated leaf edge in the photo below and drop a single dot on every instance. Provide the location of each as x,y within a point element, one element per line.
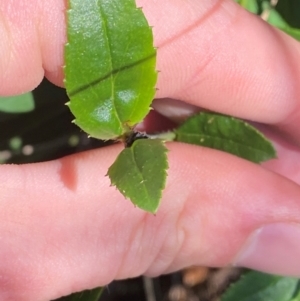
<point>165,170</point>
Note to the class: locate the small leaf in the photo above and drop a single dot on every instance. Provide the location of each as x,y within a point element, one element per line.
<point>256,286</point>
<point>17,104</point>
<point>110,66</point>
<point>227,134</point>
<point>139,173</point>
<point>87,295</point>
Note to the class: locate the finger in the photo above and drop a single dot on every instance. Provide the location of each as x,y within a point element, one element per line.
<point>287,155</point>
<point>62,218</point>
<point>32,35</point>
<point>206,55</point>
<point>215,55</point>
<point>207,58</point>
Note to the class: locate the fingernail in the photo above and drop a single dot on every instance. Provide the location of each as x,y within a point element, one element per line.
<point>274,249</point>
<point>175,110</point>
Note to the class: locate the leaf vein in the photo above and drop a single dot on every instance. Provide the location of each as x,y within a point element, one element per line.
<point>112,72</point>
<point>113,94</point>
<point>143,180</point>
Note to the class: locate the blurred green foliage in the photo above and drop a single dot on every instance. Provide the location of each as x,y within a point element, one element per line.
<point>17,104</point>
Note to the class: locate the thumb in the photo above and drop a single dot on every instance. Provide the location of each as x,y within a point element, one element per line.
<point>63,218</point>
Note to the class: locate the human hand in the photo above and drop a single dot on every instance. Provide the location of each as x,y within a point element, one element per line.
<point>64,229</point>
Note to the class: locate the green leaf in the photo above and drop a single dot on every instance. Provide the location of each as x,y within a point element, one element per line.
<point>17,104</point>
<point>250,5</point>
<point>110,66</point>
<point>297,297</point>
<point>293,32</point>
<point>87,295</point>
<point>227,134</point>
<point>256,286</point>
<point>276,20</point>
<point>139,173</point>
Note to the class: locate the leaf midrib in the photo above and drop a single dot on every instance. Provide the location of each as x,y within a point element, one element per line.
<point>105,28</point>
<point>139,171</point>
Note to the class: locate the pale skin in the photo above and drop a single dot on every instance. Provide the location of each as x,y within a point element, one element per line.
<point>64,229</point>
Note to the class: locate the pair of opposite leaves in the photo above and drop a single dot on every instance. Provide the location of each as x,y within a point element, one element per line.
<point>110,78</point>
